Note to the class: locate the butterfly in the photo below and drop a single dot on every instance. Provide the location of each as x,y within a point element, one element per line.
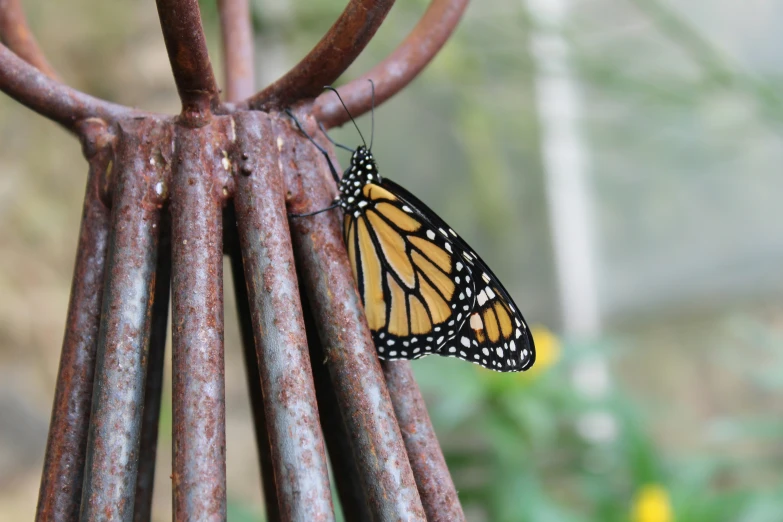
<point>424,290</point>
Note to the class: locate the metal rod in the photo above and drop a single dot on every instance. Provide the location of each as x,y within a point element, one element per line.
<point>118,395</point>
<point>236,31</point>
<point>271,503</point>
<point>353,501</point>
<point>154,384</point>
<point>199,478</point>
<point>328,59</point>
<point>437,491</point>
<point>398,69</point>
<point>350,354</point>
<point>61,482</point>
<point>51,99</point>
<point>16,34</point>
<point>298,452</point>
<point>183,33</point>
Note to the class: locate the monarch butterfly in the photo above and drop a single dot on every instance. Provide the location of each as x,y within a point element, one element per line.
<point>424,290</point>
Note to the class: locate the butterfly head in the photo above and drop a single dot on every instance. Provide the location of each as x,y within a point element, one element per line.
<point>362,171</point>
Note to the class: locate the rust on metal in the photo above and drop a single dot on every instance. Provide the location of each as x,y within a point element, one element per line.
<point>436,488</point>
<point>353,501</point>
<point>236,31</point>
<point>328,59</point>
<point>398,69</point>
<point>186,44</point>
<point>298,453</point>
<point>153,388</point>
<point>349,351</point>
<point>271,504</point>
<point>118,395</point>
<point>51,99</point>
<point>100,455</point>
<point>197,192</point>
<point>61,482</point>
<point>15,33</point>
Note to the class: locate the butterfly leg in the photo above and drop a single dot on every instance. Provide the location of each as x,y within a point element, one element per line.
<point>317,146</point>
<point>339,145</point>
<point>335,204</point>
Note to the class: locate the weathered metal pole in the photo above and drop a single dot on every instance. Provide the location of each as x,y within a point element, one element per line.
<point>167,181</point>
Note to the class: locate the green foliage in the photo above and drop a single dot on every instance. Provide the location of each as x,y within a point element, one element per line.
<point>519,448</point>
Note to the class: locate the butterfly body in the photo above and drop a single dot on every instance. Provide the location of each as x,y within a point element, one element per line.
<point>424,289</point>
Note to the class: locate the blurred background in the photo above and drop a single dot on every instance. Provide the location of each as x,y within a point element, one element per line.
<point>617,162</point>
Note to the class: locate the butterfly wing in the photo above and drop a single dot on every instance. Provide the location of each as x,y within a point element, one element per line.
<point>416,293</point>
<point>495,335</point>
<point>425,290</point>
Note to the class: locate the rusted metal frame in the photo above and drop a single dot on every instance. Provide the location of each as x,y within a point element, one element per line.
<point>328,59</point>
<point>437,491</point>
<point>118,394</point>
<point>350,354</point>
<point>198,190</point>
<point>16,34</point>
<point>298,452</point>
<point>236,32</point>
<point>353,500</point>
<point>59,497</point>
<point>32,88</point>
<point>398,69</point>
<point>271,503</point>
<point>186,45</point>
<point>153,389</point>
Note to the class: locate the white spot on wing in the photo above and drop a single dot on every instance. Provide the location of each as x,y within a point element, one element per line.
<point>476,323</point>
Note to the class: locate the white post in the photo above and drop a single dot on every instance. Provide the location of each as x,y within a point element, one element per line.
<point>566,168</point>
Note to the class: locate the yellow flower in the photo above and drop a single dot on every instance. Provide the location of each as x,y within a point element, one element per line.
<point>652,504</point>
<point>547,348</point>
<point>547,354</point>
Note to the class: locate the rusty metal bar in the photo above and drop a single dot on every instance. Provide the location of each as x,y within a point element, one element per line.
<point>153,389</point>
<point>328,59</point>
<point>199,478</point>
<point>271,503</point>
<point>398,69</point>
<point>236,31</point>
<point>183,33</point>
<point>437,491</point>
<point>61,482</point>
<point>353,501</point>
<point>51,99</point>
<point>15,33</point>
<point>115,423</point>
<point>350,354</point>
<point>298,452</point>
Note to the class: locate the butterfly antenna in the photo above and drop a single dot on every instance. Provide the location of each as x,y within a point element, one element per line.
<point>372,113</point>
<point>329,87</point>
